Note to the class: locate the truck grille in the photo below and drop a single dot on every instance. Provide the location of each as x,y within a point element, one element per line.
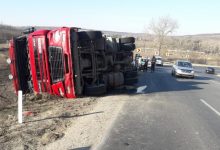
<point>56,64</point>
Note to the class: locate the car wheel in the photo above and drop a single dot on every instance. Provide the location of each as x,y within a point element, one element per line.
<point>175,75</point>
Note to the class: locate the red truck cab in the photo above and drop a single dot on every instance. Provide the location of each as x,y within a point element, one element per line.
<point>42,61</point>
<point>38,59</point>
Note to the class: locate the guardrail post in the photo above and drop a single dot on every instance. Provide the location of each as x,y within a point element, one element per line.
<point>20,107</point>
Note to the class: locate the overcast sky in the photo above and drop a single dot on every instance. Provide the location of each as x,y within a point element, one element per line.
<point>193,16</point>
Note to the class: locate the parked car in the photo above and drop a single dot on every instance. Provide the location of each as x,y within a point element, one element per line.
<point>159,61</point>
<point>149,63</point>
<point>183,68</point>
<point>210,70</point>
<point>141,63</point>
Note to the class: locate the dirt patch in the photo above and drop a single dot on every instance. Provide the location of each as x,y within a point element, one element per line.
<point>88,131</point>
<point>45,120</point>
<point>7,95</point>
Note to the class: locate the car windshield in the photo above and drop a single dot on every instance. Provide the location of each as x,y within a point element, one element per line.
<point>185,64</point>
<point>158,58</point>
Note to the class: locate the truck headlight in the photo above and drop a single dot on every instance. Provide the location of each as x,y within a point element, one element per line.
<point>8,61</point>
<point>10,76</point>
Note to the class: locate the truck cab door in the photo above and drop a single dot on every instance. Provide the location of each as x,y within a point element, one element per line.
<point>39,62</point>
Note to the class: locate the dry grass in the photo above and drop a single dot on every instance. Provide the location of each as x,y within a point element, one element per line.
<point>4,46</point>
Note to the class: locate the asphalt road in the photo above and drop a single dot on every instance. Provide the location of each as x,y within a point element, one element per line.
<point>168,113</point>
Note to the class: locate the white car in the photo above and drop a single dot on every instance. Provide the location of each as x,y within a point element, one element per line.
<point>159,61</point>
<point>149,63</point>
<point>183,68</point>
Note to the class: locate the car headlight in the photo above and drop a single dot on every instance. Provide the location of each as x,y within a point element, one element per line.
<point>192,71</point>
<point>178,70</point>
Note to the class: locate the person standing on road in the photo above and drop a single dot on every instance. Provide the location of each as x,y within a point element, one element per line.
<point>153,62</point>
<point>136,63</point>
<point>145,64</point>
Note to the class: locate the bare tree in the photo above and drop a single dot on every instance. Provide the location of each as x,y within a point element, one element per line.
<point>161,28</point>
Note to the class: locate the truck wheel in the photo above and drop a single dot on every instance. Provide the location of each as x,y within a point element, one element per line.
<point>100,44</point>
<point>127,47</point>
<point>90,35</point>
<point>95,90</point>
<point>126,40</point>
<point>115,79</point>
<point>131,81</point>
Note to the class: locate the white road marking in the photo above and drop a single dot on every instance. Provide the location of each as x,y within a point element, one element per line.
<point>208,105</point>
<point>218,75</point>
<point>141,88</point>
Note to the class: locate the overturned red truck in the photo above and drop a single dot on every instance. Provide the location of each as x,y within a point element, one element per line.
<point>69,62</point>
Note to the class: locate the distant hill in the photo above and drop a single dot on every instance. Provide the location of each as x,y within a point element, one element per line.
<point>205,35</point>
<point>8,31</point>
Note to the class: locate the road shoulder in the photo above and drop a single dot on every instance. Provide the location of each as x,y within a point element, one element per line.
<point>88,131</point>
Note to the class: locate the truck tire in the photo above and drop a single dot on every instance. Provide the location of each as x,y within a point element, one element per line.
<point>127,47</point>
<point>126,40</point>
<point>100,44</point>
<point>131,81</point>
<point>115,79</point>
<point>95,90</point>
<point>90,35</point>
